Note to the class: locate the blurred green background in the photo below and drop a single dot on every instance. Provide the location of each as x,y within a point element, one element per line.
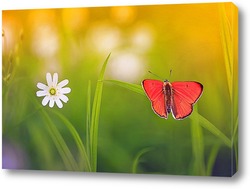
<point>75,42</point>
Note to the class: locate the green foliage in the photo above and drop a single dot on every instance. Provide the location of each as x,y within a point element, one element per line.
<point>137,159</point>
<point>229,43</point>
<point>60,143</point>
<point>129,86</point>
<point>197,145</point>
<point>84,160</point>
<point>95,117</point>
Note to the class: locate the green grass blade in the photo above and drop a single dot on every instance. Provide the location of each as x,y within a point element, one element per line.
<point>42,148</point>
<point>95,116</point>
<point>229,39</point>
<point>235,132</point>
<point>197,145</point>
<point>212,158</point>
<point>133,87</point>
<point>60,144</point>
<point>210,127</point>
<point>236,154</point>
<point>226,38</point>
<point>235,141</point>
<point>88,119</point>
<point>137,158</point>
<point>84,163</point>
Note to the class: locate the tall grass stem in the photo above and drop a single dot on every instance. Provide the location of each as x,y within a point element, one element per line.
<point>95,117</point>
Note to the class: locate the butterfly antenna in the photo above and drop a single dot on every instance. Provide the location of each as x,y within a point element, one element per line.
<point>155,75</point>
<point>170,72</point>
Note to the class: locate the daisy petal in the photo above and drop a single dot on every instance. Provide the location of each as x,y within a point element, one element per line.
<point>49,79</point>
<point>51,103</point>
<point>64,98</point>
<point>65,90</point>
<point>55,79</point>
<point>41,86</point>
<point>41,93</point>
<point>59,103</point>
<point>45,101</point>
<point>63,83</point>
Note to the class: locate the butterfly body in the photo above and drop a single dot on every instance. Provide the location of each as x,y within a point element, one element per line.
<point>167,90</point>
<point>176,97</point>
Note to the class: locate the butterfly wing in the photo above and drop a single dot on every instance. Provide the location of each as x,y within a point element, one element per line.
<point>184,95</point>
<point>154,91</point>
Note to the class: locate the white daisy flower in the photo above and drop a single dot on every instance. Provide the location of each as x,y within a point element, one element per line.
<point>54,91</point>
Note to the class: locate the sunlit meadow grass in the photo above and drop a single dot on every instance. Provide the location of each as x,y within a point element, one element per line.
<point>87,153</point>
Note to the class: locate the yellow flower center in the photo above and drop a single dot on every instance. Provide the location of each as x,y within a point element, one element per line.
<point>52,91</point>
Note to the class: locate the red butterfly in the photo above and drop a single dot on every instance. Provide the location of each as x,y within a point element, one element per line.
<point>177,97</point>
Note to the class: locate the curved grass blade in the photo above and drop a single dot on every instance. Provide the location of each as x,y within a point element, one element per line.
<point>226,38</point>
<point>197,145</point>
<point>95,117</point>
<point>60,144</point>
<point>88,119</point>
<point>235,141</point>
<point>42,148</point>
<point>210,127</point>
<point>84,164</point>
<point>137,158</point>
<point>133,87</point>
<point>212,158</point>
